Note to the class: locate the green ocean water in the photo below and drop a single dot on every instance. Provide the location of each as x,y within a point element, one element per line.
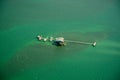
<point>23,57</point>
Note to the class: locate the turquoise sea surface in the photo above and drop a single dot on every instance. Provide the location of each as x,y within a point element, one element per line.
<point>23,57</point>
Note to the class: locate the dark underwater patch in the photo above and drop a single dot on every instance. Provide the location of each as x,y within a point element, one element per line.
<point>38,54</point>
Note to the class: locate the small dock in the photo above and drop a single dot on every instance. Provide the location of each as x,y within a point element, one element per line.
<point>60,41</point>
